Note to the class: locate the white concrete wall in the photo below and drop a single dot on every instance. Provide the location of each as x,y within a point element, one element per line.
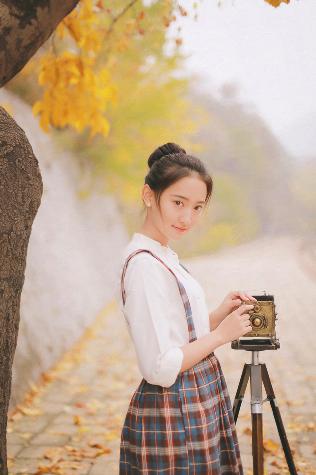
<point>70,271</point>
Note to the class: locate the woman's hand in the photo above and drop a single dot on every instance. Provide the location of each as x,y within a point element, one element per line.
<point>235,325</point>
<point>228,305</point>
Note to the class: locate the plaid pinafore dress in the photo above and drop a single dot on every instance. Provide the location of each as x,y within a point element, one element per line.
<point>185,429</point>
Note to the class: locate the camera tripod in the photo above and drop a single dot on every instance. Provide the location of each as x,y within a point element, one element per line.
<point>258,374</point>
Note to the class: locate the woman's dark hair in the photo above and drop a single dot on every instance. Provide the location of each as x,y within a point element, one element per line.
<point>168,164</point>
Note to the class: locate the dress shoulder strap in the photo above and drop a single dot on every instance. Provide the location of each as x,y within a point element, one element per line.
<point>183,293</point>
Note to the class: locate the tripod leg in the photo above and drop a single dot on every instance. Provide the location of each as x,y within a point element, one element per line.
<point>241,390</point>
<point>256,418</point>
<point>278,420</point>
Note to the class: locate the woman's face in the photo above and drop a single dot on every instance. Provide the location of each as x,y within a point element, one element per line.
<point>181,205</point>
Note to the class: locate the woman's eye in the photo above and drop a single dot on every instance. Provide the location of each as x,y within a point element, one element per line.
<point>177,201</point>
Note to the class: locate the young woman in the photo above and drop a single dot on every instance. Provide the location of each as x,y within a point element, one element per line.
<point>179,420</point>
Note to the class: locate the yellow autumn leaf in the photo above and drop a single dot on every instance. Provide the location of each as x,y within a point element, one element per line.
<point>79,98</point>
<point>44,122</point>
<point>103,451</point>
<point>111,435</point>
<point>271,446</point>
<point>83,429</point>
<point>83,25</point>
<point>26,435</point>
<point>8,107</point>
<point>28,411</point>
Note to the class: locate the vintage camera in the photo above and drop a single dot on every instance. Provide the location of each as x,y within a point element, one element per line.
<point>262,319</point>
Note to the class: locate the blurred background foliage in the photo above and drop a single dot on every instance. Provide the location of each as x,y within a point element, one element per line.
<point>119,72</point>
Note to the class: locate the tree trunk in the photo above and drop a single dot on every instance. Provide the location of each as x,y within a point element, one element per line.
<point>20,196</point>
<point>24,26</point>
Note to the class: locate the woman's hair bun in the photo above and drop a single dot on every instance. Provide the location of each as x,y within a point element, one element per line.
<point>166,149</point>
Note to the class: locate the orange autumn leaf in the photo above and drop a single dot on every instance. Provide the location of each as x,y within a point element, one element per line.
<point>277,463</point>
<point>141,15</point>
<point>76,420</point>
<point>102,449</point>
<point>80,404</point>
<point>183,11</point>
<point>52,469</point>
<point>54,453</point>
<point>277,3</point>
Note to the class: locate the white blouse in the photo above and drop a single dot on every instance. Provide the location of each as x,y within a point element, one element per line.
<point>154,311</point>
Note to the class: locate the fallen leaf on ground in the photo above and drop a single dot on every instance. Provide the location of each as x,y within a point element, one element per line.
<point>278,464</point>
<point>76,420</point>
<point>247,431</point>
<point>28,411</point>
<point>54,454</point>
<point>52,469</point>
<point>270,446</point>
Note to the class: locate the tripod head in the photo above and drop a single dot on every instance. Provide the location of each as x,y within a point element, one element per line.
<point>255,344</point>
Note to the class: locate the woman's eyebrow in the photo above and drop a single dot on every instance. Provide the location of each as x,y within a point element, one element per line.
<point>185,198</point>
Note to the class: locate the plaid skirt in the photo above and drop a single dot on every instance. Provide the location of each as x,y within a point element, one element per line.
<point>185,429</point>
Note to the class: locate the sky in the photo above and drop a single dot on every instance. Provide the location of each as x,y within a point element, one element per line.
<point>269,53</point>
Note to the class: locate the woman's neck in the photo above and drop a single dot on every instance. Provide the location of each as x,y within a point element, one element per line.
<point>154,234</point>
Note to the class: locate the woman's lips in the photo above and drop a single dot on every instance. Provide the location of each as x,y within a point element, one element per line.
<point>181,230</point>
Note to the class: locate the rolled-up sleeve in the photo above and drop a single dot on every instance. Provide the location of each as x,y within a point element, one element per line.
<point>149,307</point>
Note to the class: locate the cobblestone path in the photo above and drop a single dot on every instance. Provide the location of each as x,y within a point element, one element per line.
<point>70,423</point>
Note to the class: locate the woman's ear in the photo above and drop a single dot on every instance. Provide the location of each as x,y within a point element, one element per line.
<point>147,195</point>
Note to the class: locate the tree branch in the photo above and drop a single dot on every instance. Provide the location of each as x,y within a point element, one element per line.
<point>24,26</point>
<point>122,13</point>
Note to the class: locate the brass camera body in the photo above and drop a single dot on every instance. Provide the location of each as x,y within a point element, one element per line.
<point>262,319</point>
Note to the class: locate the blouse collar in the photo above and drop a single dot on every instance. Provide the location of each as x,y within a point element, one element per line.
<point>153,245</point>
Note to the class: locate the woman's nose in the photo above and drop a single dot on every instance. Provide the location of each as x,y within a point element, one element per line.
<point>186,219</point>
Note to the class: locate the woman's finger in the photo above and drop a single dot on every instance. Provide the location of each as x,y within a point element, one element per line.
<point>252,298</point>
<point>245,317</point>
<point>244,296</point>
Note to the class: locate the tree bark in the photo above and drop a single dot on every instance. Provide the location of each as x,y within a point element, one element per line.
<point>24,26</point>
<point>20,196</point>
